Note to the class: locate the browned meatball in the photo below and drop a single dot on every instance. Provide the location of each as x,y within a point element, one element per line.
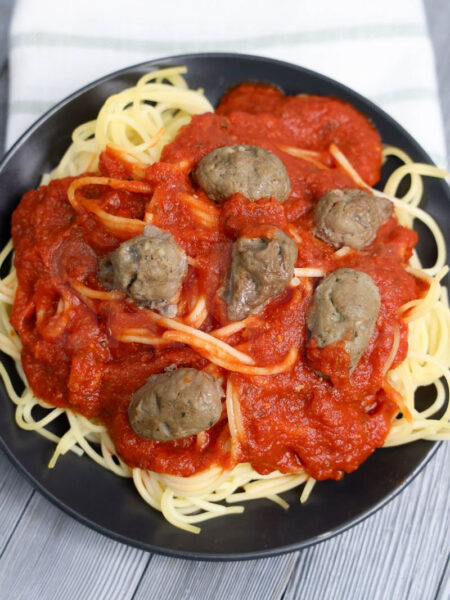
<point>175,404</point>
<point>260,269</point>
<point>150,268</point>
<point>345,307</point>
<point>251,170</point>
<point>350,217</point>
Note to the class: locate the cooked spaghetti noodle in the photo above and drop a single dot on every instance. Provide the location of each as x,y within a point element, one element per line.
<point>138,122</point>
<point>134,127</point>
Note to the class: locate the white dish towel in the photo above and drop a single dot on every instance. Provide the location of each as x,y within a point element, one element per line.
<point>381,49</point>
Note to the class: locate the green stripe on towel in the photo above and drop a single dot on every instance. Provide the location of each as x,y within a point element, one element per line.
<point>372,31</point>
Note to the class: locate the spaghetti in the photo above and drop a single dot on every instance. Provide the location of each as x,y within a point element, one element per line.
<point>137,177</point>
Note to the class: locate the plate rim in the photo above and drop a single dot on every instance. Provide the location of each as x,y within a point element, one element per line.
<point>233,55</point>
<point>215,556</point>
<point>192,555</point>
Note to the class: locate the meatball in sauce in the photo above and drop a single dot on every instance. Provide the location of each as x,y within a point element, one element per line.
<point>345,307</point>
<point>350,217</point>
<point>261,268</point>
<point>175,404</point>
<point>253,171</point>
<point>150,268</point>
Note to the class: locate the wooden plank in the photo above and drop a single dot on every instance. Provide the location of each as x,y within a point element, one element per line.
<point>15,494</point>
<point>400,552</point>
<point>51,555</point>
<point>443,591</point>
<point>71,561</point>
<point>181,579</point>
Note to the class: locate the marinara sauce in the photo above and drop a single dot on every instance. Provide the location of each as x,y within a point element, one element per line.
<point>71,352</point>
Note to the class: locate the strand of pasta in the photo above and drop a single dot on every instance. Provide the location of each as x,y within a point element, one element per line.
<point>8,283</point>
<point>29,400</point>
<point>216,351</point>
<point>416,308</point>
<point>343,251</point>
<point>285,365</point>
<point>277,485</point>
<point>111,222</point>
<point>5,252</point>
<point>415,192</point>
<point>96,294</point>
<point>198,313</point>
<point>177,497</point>
<point>306,492</point>
<point>139,121</point>
<point>307,155</point>
<point>114,224</point>
<point>138,336</point>
<point>199,338</point>
<point>428,359</point>
<point>421,426</point>
<point>178,504</point>
<point>235,423</point>
<point>210,352</point>
<point>8,330</point>
<point>413,169</point>
<point>308,272</point>
<point>194,319</point>
<point>206,212</point>
<point>343,162</point>
<point>432,226</point>
<point>403,208</point>
<point>228,330</point>
<point>294,233</point>
<point>430,335</point>
<point>394,349</point>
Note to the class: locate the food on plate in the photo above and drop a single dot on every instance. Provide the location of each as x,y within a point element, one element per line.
<point>176,404</point>
<point>345,308</point>
<point>219,303</point>
<point>150,268</point>
<point>350,217</point>
<point>261,268</point>
<point>250,170</point>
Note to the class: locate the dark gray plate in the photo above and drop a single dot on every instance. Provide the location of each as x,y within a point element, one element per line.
<point>110,504</point>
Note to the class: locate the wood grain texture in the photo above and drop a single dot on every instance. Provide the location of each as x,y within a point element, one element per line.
<point>52,556</point>
<point>15,494</point>
<point>183,580</point>
<point>400,553</point>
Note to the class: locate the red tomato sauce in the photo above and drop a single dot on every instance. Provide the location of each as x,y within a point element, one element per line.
<point>71,354</point>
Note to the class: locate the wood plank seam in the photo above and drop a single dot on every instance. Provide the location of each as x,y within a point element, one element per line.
<point>144,571</point>
<point>22,513</point>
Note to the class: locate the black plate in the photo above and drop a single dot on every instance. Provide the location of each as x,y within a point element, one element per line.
<point>110,504</point>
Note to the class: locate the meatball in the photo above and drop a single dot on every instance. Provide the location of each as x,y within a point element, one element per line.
<point>251,170</point>
<point>260,269</point>
<point>150,268</point>
<point>175,404</point>
<point>350,217</point>
<point>345,307</point>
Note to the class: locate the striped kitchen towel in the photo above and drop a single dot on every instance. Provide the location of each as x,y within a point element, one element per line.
<point>381,49</point>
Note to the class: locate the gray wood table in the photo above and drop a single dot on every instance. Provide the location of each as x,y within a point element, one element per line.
<point>401,552</point>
